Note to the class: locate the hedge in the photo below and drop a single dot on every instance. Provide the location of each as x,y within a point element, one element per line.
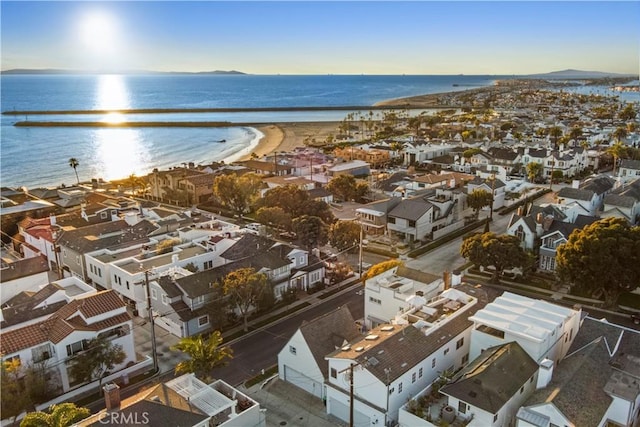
<point>446,239</point>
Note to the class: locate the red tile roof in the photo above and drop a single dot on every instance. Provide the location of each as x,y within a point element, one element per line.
<point>65,321</point>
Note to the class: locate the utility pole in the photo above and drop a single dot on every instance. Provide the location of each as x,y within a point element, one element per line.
<point>553,163</point>
<point>350,369</point>
<point>154,349</point>
<point>493,186</point>
<point>360,252</point>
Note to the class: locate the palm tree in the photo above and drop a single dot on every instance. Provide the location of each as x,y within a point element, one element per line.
<point>205,355</point>
<point>617,150</point>
<point>555,132</point>
<point>62,415</point>
<point>74,163</point>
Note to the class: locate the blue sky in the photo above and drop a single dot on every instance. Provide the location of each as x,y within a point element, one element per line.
<point>427,37</point>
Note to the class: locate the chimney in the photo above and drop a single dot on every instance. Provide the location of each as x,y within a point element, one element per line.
<point>544,373</point>
<point>52,219</point>
<point>111,396</point>
<point>446,277</point>
<point>131,218</point>
<point>520,210</point>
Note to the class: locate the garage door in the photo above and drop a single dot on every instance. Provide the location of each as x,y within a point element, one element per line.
<point>340,410</point>
<point>300,380</point>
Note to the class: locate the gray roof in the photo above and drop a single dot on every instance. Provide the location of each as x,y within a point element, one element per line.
<point>116,234</point>
<point>576,193</point>
<point>528,221</point>
<point>328,332</point>
<point>317,193</point>
<point>492,378</point>
<point>503,153</point>
<point>200,283</point>
<point>411,209</point>
<point>630,164</point>
<point>477,181</point>
<point>403,348</point>
<point>598,184</point>
<point>588,369</point>
<point>618,200</point>
<point>23,268</point>
<point>384,206</point>
<point>22,307</point>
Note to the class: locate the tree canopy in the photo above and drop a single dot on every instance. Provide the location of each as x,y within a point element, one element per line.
<point>381,267</point>
<point>274,217</point>
<point>245,287</point>
<point>237,193</point>
<point>345,187</point>
<point>602,259</point>
<point>344,235</point>
<point>311,231</point>
<point>100,356</point>
<point>61,415</point>
<point>499,251</point>
<point>478,199</point>
<point>205,354</point>
<point>534,170</point>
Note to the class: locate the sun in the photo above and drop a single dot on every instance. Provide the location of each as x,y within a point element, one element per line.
<point>98,31</point>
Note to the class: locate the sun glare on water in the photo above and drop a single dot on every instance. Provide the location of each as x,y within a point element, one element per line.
<point>114,118</point>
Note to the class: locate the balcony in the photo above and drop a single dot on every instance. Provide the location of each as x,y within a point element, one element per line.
<point>431,409</point>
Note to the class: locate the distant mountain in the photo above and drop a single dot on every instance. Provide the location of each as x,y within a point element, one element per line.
<point>63,71</point>
<point>577,74</point>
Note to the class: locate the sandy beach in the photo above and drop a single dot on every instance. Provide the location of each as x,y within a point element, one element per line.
<point>288,136</point>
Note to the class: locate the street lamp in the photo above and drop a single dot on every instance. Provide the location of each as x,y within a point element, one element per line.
<point>154,350</point>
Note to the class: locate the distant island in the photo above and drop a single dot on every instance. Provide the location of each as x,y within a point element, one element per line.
<point>578,74</point>
<point>63,71</point>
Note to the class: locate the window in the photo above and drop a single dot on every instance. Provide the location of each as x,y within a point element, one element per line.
<point>99,272</point>
<point>165,300</point>
<point>412,223</point>
<point>154,294</point>
<point>128,285</point>
<point>91,268</point>
<point>208,265</point>
<point>41,353</point>
<point>413,377</point>
<point>465,359</point>
<point>446,350</point>
<point>460,343</point>
<point>520,233</point>
<point>75,348</point>
<point>433,363</point>
<point>531,379</point>
<point>391,220</point>
<point>292,349</point>
<point>334,373</point>
<point>375,300</point>
<point>462,407</point>
<point>202,321</point>
<point>495,418</point>
<point>521,389</point>
<point>420,373</point>
<point>399,388</point>
<point>103,215</point>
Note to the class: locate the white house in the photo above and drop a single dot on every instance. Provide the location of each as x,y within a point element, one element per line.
<point>395,361</point>
<point>486,392</point>
<point>389,293</point>
<point>22,275</point>
<point>624,202</point>
<point>301,361</point>
<point>542,329</point>
<point>629,170</point>
<point>491,186</point>
<point>595,384</point>
<point>56,339</point>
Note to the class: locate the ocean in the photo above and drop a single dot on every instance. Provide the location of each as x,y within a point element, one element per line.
<point>38,156</point>
<point>34,157</point>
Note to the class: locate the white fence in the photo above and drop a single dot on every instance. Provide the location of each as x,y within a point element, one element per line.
<point>448,229</point>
